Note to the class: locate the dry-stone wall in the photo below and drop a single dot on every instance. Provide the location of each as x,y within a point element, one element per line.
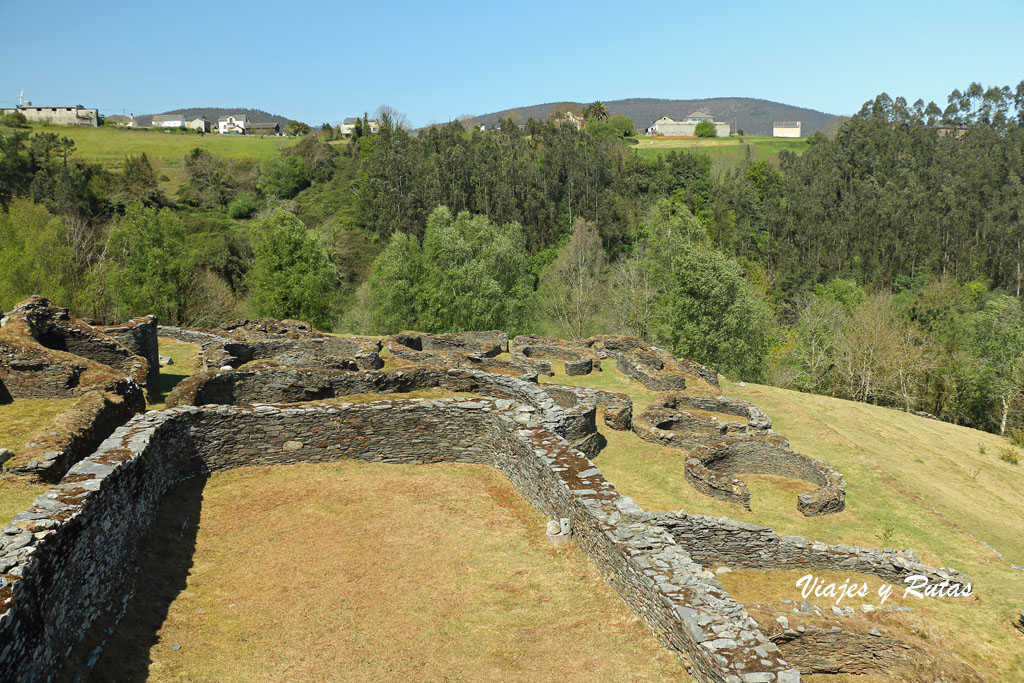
<point>567,411</point>
<point>189,335</point>
<point>465,350</point>
<point>287,342</point>
<point>76,433</point>
<point>140,337</point>
<point>53,328</point>
<point>714,541</point>
<point>68,558</point>
<point>711,468</point>
<point>670,422</point>
<point>719,449</point>
<point>833,650</point>
<point>44,353</point>
<point>578,358</point>
<point>486,344</point>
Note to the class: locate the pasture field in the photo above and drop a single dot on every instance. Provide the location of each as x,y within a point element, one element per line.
<point>108,146</point>
<point>726,153</point>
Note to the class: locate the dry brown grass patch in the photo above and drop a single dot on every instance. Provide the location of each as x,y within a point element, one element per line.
<point>356,571</point>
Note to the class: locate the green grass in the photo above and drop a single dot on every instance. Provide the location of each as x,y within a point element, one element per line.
<point>108,146</point>
<point>185,364</point>
<point>16,494</point>
<point>725,153</point>
<point>23,418</point>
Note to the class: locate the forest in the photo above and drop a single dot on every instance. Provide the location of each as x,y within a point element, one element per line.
<point>884,264</point>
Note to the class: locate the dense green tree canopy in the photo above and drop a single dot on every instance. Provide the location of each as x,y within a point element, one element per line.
<point>35,257</point>
<point>468,274</point>
<point>291,275</point>
<point>148,268</point>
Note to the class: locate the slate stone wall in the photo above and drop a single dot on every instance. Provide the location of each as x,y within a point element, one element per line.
<point>710,470</point>
<point>140,337</point>
<point>69,558</point>
<point>648,370</point>
<point>25,374</point>
<point>77,432</point>
<point>713,541</point>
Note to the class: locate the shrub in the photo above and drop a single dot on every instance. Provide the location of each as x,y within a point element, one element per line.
<point>706,129</point>
<point>1016,437</point>
<point>243,206</point>
<point>1008,454</point>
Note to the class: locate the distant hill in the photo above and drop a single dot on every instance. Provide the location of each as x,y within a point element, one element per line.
<point>752,115</point>
<point>213,113</point>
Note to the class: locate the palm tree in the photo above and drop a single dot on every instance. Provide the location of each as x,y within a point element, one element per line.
<point>598,111</point>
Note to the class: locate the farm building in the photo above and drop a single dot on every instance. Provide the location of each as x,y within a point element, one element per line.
<point>200,123</point>
<point>233,124</point>
<point>348,126</point>
<point>168,121</point>
<point>76,115</point>
<point>255,128</point>
<point>688,126</point>
<point>786,129</point>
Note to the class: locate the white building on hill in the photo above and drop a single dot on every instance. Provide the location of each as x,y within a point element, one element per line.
<point>234,123</point>
<point>786,129</point>
<point>168,121</point>
<point>687,127</point>
<point>76,115</point>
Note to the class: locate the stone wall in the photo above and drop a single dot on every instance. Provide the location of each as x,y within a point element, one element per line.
<point>75,433</point>
<point>189,335</point>
<point>578,358</point>
<point>713,541</point>
<point>68,558</point>
<point>45,353</point>
<point>667,422</point>
<point>140,337</point>
<point>650,363</point>
<point>568,411</point>
<point>710,470</point>
<point>649,371</point>
<point>487,344</point>
<point>834,650</point>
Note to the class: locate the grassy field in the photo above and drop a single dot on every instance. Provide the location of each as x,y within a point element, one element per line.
<point>909,485</point>
<point>185,364</point>
<point>22,419</point>
<point>108,145</point>
<point>725,153</point>
<point>364,572</point>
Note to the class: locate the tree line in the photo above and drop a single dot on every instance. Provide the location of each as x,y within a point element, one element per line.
<point>879,265</point>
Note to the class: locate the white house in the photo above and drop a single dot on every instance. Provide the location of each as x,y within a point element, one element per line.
<point>786,129</point>
<point>168,121</point>
<point>348,126</point>
<point>235,123</point>
<point>688,126</point>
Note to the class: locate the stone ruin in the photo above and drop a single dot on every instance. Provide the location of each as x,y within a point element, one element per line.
<point>66,561</point>
<point>45,353</point>
<point>719,448</point>
<point>285,342</point>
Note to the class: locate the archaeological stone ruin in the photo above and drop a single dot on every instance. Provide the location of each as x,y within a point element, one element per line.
<point>67,561</point>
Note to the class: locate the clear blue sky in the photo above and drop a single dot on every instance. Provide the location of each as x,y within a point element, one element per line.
<point>323,61</point>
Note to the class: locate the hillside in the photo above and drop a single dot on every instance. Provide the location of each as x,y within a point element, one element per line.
<point>213,113</point>
<point>752,115</point>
